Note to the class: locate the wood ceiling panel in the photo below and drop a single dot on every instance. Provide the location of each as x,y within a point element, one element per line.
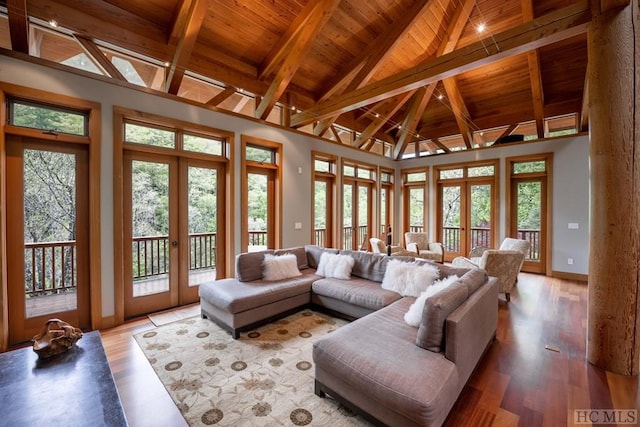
<point>497,15</point>
<point>158,11</point>
<point>563,67</point>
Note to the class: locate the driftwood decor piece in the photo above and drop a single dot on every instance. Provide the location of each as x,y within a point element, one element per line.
<point>57,336</point>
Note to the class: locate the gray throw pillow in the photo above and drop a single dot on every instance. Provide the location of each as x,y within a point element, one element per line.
<point>249,265</point>
<point>474,278</point>
<point>436,310</point>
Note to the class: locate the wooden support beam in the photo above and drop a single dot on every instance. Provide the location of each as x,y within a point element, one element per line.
<point>584,111</point>
<point>460,111</point>
<point>411,120</point>
<point>535,76</point>
<point>392,108</point>
<point>440,145</point>
<point>289,66</point>
<point>244,100</point>
<point>18,25</point>
<point>222,96</point>
<point>553,27</point>
<point>194,13</point>
<point>99,58</point>
<point>336,134</point>
<point>508,131</point>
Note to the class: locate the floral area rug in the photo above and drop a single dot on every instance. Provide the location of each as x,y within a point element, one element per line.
<point>265,378</point>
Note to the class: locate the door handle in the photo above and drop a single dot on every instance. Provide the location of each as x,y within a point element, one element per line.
<point>174,243</point>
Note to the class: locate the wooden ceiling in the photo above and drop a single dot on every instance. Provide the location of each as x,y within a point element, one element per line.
<point>398,71</point>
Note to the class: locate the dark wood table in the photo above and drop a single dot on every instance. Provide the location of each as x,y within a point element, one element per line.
<point>75,388</point>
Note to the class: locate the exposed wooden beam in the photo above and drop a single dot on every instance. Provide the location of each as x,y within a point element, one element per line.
<point>392,108</point>
<point>219,98</point>
<point>440,145</point>
<point>362,67</point>
<point>288,41</point>
<point>194,13</point>
<point>18,25</point>
<point>306,36</point>
<point>411,120</point>
<point>336,134</point>
<point>535,76</point>
<point>602,6</point>
<point>553,27</point>
<point>508,131</point>
<point>244,100</point>
<point>459,108</point>
<point>584,111</point>
<point>99,57</point>
<point>458,21</point>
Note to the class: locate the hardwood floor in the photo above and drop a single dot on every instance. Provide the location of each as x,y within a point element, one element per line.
<point>534,374</point>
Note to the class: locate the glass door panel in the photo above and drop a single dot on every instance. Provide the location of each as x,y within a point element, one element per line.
<point>452,226</point>
<point>480,216</point>
<point>320,213</point>
<point>363,217</point>
<point>347,217</point>
<point>258,211</point>
<point>150,227</point>
<point>529,211</point>
<point>202,195</point>
<point>416,209</point>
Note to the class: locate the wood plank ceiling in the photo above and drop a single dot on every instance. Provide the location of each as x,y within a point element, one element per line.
<point>392,71</point>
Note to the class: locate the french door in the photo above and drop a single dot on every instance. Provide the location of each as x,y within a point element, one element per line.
<point>261,204</point>
<point>356,214</point>
<point>48,240</point>
<point>171,234</point>
<point>528,221</point>
<point>466,216</point>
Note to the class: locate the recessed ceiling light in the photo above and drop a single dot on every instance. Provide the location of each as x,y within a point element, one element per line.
<point>53,23</point>
<point>167,64</point>
<point>440,96</point>
<point>481,27</point>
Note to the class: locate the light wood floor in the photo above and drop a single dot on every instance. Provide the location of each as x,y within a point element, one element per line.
<point>518,383</point>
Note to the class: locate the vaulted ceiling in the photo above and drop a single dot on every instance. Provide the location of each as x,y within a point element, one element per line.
<point>397,77</point>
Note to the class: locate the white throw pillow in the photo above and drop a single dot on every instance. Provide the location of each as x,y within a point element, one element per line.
<point>408,278</point>
<point>280,267</point>
<point>413,316</point>
<point>336,266</point>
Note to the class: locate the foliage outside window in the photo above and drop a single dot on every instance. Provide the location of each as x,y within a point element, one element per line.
<point>349,171</point>
<point>322,166</point>
<point>364,173</point>
<point>416,177</point>
<point>44,117</point>
<point>477,171</point>
<point>386,177</point>
<point>260,154</point>
<point>451,173</point>
<point>148,135</point>
<point>201,144</point>
<point>528,167</point>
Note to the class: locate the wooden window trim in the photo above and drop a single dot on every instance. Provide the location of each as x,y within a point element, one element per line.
<point>331,179</point>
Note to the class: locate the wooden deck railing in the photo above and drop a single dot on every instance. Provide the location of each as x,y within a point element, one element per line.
<point>49,268</point>
<point>481,236</point>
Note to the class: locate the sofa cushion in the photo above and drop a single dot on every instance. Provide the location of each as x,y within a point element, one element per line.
<point>413,316</point>
<point>279,267</point>
<point>335,265</point>
<point>474,278</point>
<point>409,278</point>
<point>357,291</point>
<point>376,356</point>
<point>368,265</point>
<point>436,309</point>
<point>249,265</point>
<point>315,252</point>
<point>299,252</point>
<point>234,296</point>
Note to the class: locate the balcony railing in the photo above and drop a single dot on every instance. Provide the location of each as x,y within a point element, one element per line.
<point>49,268</point>
<point>348,236</point>
<point>481,236</point>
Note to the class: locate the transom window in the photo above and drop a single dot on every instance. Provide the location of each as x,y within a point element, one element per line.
<point>529,167</point>
<point>145,134</point>
<point>33,115</point>
<point>262,155</point>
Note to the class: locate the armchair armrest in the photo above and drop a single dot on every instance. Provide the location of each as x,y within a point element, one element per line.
<point>413,247</point>
<point>463,262</point>
<point>477,252</point>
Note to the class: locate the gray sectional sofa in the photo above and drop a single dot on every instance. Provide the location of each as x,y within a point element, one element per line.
<point>393,373</point>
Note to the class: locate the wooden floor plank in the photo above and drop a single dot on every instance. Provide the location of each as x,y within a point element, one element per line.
<point>517,383</point>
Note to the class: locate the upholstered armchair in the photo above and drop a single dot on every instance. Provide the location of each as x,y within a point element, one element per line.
<point>419,243</point>
<point>379,247</point>
<point>508,243</point>
<point>503,264</point>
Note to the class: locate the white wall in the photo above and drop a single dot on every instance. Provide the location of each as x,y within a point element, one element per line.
<point>570,164</point>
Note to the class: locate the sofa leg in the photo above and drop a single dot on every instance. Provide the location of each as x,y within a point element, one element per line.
<point>508,296</point>
<point>318,389</point>
<point>235,334</point>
